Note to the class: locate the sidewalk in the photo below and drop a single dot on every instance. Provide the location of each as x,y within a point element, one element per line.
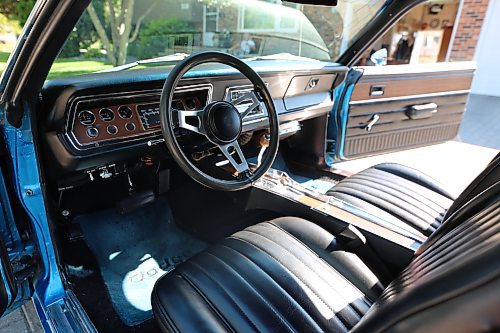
<point>481,124</point>
<point>24,320</point>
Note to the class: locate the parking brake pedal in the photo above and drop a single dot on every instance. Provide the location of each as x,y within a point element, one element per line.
<point>135,201</point>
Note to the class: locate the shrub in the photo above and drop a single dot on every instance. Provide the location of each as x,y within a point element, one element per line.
<point>152,39</point>
<point>93,53</point>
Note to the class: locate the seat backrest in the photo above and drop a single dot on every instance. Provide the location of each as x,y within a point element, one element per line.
<point>453,282</point>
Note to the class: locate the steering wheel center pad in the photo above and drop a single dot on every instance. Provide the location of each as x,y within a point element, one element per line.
<point>222,122</point>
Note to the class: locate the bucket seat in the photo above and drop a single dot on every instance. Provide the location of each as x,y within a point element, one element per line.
<point>291,275</point>
<point>403,199</point>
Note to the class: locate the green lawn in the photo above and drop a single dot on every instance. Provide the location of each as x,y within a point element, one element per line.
<point>3,60</point>
<point>65,67</point>
<point>69,67</point>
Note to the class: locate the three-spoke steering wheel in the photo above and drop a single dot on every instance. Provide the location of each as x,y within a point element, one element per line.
<point>219,122</point>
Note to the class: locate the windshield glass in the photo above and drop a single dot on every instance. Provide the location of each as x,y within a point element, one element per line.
<point>115,33</point>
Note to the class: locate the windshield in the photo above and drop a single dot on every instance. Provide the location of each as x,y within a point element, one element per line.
<point>115,33</point>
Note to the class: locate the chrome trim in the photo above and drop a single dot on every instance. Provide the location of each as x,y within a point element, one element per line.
<point>70,119</point>
<point>189,89</point>
<point>399,98</point>
<point>246,87</point>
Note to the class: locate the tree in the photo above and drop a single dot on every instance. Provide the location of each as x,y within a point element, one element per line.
<point>18,10</point>
<point>82,37</point>
<point>119,14</point>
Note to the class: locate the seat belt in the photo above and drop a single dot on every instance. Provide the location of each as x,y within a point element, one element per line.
<point>356,243</point>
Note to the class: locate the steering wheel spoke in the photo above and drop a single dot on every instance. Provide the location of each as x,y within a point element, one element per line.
<point>191,120</point>
<point>234,148</point>
<point>248,96</point>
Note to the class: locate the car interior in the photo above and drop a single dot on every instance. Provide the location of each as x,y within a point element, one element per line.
<point>199,197</point>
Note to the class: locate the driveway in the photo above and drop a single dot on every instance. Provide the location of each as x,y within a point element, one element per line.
<point>481,124</point>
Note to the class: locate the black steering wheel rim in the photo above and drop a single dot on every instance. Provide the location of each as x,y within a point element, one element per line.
<point>246,179</point>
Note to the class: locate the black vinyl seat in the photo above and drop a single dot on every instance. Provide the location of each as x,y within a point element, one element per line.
<point>406,199</point>
<point>290,275</point>
<point>284,274</point>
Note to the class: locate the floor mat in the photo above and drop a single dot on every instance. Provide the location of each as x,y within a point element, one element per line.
<point>133,251</point>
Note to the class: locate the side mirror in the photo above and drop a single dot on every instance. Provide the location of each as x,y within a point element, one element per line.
<point>379,58</point>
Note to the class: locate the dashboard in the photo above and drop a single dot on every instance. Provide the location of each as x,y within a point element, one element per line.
<point>97,119</point>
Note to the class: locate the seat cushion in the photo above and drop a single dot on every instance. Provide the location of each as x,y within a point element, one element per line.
<point>404,198</point>
<point>284,275</point>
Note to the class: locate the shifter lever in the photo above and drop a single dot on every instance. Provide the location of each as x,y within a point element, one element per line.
<point>264,143</point>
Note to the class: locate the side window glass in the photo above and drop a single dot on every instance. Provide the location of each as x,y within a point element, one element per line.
<point>423,35</point>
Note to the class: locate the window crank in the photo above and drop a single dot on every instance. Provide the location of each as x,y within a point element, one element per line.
<point>372,122</point>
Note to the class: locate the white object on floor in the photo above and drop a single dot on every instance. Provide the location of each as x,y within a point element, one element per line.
<point>138,284</point>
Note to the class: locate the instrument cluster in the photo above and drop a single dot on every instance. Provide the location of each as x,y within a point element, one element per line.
<point>95,121</point>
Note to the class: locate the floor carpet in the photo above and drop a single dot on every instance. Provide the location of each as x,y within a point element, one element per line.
<point>133,251</point>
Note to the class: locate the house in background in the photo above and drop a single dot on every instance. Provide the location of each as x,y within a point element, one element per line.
<point>273,27</point>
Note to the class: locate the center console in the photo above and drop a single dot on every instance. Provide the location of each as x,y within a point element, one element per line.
<point>278,191</point>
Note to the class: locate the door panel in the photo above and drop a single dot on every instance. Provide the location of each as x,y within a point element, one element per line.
<point>405,106</point>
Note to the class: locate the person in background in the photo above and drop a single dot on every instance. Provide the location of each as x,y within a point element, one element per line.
<point>403,49</point>
<point>246,46</point>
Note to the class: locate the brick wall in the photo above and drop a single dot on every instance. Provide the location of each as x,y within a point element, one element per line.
<point>469,27</point>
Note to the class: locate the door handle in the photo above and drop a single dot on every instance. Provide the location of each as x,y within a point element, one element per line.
<point>377,90</point>
<point>372,122</point>
<point>421,111</point>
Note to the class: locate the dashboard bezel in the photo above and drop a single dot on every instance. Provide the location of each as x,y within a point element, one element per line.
<point>71,138</point>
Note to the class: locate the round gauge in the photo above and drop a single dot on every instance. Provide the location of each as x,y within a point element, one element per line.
<point>124,112</point>
<point>112,129</point>
<point>106,114</point>
<point>130,126</point>
<point>92,132</point>
<point>86,118</point>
